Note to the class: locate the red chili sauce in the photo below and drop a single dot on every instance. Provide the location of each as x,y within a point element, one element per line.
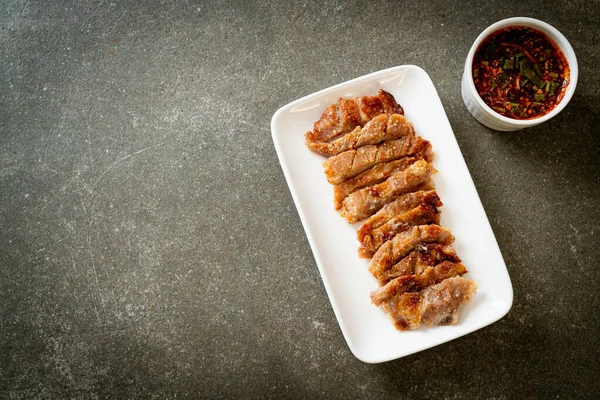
<point>520,73</point>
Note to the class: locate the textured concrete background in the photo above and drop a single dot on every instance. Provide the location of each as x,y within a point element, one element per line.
<point>149,246</point>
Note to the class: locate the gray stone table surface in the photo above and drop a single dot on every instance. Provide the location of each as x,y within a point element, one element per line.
<point>150,247</point>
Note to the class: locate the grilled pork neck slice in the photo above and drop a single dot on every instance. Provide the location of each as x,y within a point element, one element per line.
<point>379,129</point>
<point>399,206</point>
<point>373,176</point>
<point>423,214</point>
<point>350,163</point>
<point>403,243</point>
<point>439,304</point>
<point>416,283</point>
<point>423,256</point>
<point>367,201</point>
<point>347,114</point>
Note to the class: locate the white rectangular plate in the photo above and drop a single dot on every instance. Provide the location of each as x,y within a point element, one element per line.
<point>369,333</point>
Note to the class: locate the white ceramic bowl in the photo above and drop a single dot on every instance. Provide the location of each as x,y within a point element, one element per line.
<point>481,111</point>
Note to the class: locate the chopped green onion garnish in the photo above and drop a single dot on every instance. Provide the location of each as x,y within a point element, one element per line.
<point>523,65</point>
<point>540,97</point>
<point>500,109</point>
<point>553,75</point>
<point>529,73</point>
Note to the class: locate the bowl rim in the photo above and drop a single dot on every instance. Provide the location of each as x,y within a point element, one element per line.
<point>556,36</point>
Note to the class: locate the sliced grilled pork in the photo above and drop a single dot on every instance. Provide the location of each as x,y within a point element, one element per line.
<point>367,201</point>
<point>399,206</point>
<point>438,304</point>
<point>416,283</point>
<point>379,129</point>
<point>421,215</point>
<point>423,256</point>
<point>373,176</point>
<point>347,114</point>
<point>350,163</point>
<point>403,243</point>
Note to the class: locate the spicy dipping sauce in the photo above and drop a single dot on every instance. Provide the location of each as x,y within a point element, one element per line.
<point>520,73</point>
